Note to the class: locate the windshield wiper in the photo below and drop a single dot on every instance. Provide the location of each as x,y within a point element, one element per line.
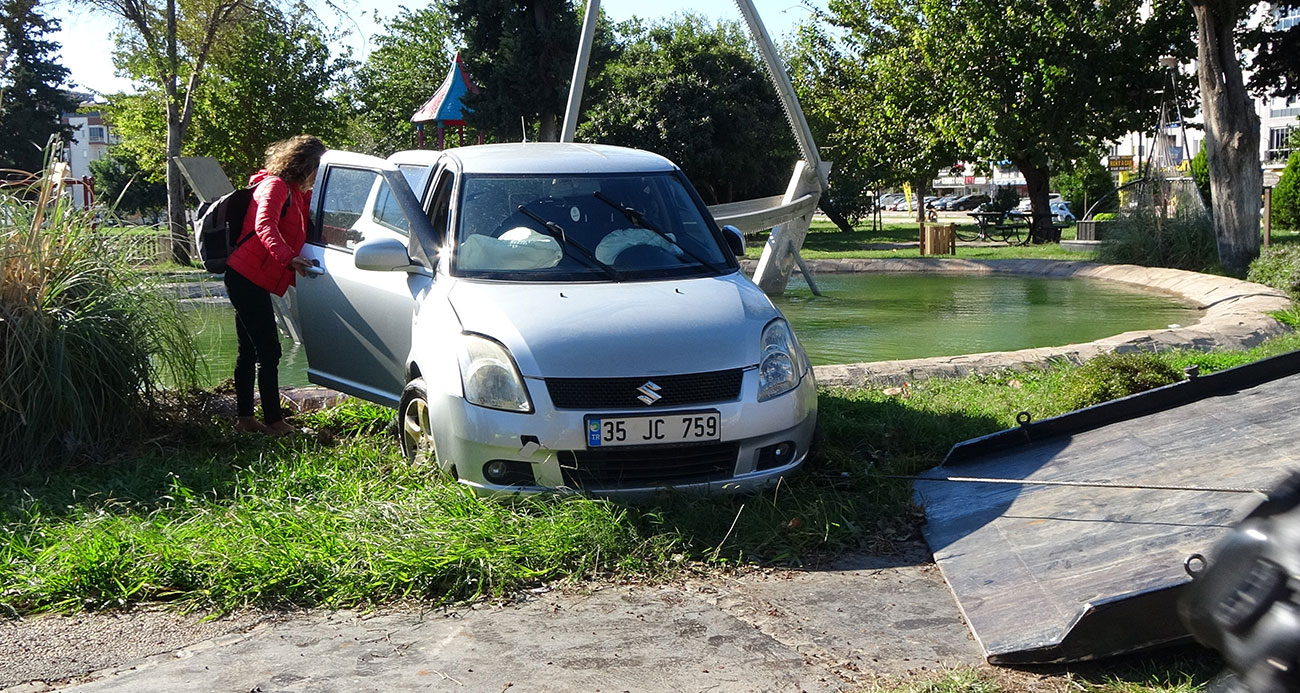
<point>557,232</point>
<point>639,219</point>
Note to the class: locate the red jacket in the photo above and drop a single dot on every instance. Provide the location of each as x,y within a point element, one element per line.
<point>264,257</point>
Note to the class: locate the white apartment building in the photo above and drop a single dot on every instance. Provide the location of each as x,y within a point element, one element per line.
<point>90,140</point>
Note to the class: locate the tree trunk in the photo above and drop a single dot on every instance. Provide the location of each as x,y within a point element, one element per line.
<point>1038,181</point>
<point>1231,137</point>
<point>180,231</point>
<point>547,130</point>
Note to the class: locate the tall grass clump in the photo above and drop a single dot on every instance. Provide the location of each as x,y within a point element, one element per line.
<point>1172,229</point>
<point>85,339</point>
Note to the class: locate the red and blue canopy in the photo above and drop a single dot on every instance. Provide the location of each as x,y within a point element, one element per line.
<point>445,107</point>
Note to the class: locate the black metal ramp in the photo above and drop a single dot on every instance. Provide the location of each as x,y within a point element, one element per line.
<point>1052,573</point>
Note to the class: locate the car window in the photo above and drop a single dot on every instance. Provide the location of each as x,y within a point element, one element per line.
<point>584,228</point>
<point>440,210</point>
<point>416,175</point>
<point>343,201</point>
<point>388,211</point>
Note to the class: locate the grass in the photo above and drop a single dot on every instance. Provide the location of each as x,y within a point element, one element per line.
<point>210,519</point>
<point>826,241</point>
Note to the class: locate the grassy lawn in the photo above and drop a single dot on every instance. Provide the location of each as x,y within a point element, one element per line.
<point>825,240</point>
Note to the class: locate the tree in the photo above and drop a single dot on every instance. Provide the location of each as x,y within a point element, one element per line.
<point>173,39</point>
<point>1275,69</point>
<point>410,56</point>
<point>1231,133</point>
<point>31,103</point>
<point>1084,182</point>
<point>1037,83</point>
<point>695,93</point>
<point>873,106</point>
<point>521,54</point>
<point>121,182</point>
<point>270,80</point>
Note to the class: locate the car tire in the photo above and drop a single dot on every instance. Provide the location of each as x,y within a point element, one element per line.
<point>413,431</point>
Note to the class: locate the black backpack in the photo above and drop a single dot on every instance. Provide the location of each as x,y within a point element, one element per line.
<point>217,227</point>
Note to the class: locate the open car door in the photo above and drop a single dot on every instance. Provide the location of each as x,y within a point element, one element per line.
<point>355,324</point>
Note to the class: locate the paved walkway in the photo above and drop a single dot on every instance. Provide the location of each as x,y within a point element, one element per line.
<point>865,620</point>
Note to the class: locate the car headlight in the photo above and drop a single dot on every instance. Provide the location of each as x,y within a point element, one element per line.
<point>782,362</point>
<point>490,376</point>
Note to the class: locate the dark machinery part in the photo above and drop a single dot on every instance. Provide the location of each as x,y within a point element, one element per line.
<point>1245,602</point>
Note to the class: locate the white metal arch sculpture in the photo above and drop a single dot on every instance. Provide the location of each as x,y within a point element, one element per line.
<point>788,215</point>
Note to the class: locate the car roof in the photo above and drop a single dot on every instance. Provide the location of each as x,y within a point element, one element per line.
<point>544,158</point>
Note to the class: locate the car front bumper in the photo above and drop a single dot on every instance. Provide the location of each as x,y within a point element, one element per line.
<point>553,442</point>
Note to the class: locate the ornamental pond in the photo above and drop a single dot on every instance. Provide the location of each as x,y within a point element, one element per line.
<point>878,316</point>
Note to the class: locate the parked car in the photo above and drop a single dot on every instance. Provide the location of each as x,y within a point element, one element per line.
<point>549,316</point>
<point>888,200</point>
<point>967,203</point>
<point>943,202</point>
<point>1061,212</point>
<point>1025,205</point>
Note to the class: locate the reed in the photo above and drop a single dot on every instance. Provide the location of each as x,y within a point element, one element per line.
<point>85,339</point>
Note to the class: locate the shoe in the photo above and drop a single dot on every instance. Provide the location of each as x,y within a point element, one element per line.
<point>248,424</point>
<point>281,428</point>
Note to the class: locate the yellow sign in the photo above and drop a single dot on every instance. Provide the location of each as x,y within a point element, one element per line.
<point>1120,163</point>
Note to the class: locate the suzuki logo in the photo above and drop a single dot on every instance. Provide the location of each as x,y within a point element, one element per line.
<point>649,393</point>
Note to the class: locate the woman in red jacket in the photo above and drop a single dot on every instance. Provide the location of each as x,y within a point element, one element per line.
<point>275,230</point>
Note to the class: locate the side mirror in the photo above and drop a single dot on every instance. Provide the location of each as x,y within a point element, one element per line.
<point>735,240</point>
<point>381,255</point>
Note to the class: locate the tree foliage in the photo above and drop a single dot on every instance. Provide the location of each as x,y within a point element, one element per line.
<point>872,106</point>
<point>1032,81</point>
<point>31,102</point>
<point>271,80</point>
<point>695,93</point>
<point>400,74</point>
<point>1083,182</point>
<point>1275,68</point>
<point>121,183</point>
<point>521,54</point>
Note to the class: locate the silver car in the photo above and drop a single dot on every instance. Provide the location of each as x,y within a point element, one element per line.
<point>548,316</point>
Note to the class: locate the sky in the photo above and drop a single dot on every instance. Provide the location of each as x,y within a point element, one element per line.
<point>86,46</point>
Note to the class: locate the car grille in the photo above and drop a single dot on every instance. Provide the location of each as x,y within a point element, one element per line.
<point>623,393</point>
<point>636,467</point>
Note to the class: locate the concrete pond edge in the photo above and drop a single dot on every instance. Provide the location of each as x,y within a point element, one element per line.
<point>1236,316</point>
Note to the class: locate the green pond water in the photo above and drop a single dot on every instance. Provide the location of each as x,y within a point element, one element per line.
<point>890,316</point>
<point>875,317</point>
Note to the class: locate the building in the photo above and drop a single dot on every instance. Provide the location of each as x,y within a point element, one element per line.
<point>90,140</point>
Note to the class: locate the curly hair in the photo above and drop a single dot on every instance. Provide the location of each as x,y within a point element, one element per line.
<point>294,159</point>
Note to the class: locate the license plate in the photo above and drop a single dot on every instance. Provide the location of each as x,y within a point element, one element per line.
<point>692,427</point>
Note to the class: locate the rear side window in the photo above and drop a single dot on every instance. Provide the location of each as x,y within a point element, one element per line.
<point>388,212</point>
<point>343,201</point>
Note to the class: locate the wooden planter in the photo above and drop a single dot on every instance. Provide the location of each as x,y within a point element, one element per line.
<point>1090,230</point>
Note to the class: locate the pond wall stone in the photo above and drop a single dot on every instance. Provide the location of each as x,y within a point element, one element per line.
<point>1236,316</point>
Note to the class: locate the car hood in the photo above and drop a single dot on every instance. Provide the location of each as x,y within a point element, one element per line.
<point>619,329</point>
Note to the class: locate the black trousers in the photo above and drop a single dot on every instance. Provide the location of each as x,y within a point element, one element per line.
<point>259,347</point>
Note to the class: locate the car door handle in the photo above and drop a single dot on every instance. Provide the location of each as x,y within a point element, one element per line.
<point>315,271</point>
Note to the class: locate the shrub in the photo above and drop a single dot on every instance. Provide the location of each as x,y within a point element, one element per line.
<point>1114,375</point>
<point>85,341</point>
<point>1286,195</point>
<point>1085,182</point>
<point>1201,174</point>
<point>1105,216</point>
<point>1278,267</point>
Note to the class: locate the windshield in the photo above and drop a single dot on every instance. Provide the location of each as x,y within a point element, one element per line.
<point>584,228</point>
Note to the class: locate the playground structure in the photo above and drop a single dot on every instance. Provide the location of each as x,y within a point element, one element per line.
<point>789,215</point>
<point>444,108</point>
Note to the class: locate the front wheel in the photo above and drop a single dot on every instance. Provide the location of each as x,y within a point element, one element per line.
<point>414,432</point>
